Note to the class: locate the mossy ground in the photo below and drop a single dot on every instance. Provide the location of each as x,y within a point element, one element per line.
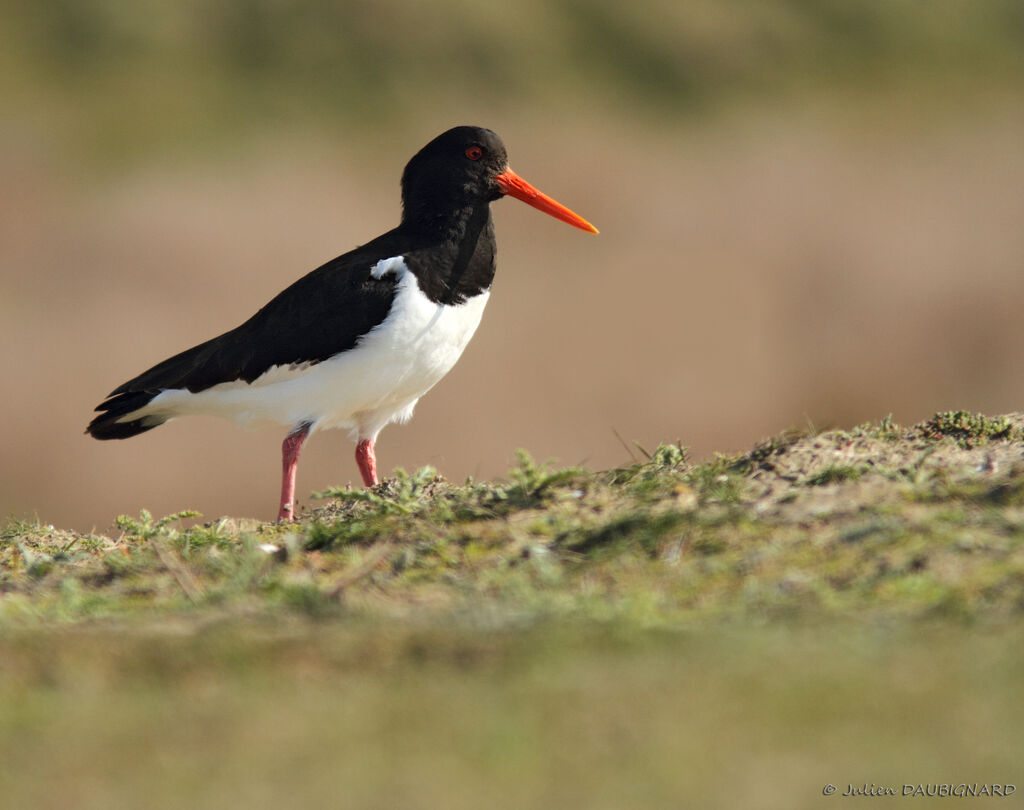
<point>742,631</point>
<point>874,521</point>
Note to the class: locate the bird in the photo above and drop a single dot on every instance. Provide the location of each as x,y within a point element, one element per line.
<point>355,343</point>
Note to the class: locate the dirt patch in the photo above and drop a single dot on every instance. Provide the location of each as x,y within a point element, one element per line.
<point>840,472</point>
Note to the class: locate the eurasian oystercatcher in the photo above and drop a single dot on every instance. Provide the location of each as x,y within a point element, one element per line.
<point>358,341</point>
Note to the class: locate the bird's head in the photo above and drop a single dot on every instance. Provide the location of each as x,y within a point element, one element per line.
<point>467,165</point>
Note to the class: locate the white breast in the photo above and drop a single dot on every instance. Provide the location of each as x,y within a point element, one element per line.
<point>363,389</point>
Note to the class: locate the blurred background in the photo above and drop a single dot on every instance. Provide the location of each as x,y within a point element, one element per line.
<point>810,210</point>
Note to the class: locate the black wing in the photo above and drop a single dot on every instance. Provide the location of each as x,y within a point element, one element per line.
<point>320,315</point>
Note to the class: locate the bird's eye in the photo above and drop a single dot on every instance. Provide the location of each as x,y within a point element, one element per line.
<point>474,153</point>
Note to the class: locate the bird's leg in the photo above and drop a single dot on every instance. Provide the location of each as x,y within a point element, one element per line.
<point>290,449</point>
<point>367,461</point>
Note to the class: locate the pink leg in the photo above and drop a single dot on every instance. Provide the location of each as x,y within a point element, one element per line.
<point>290,449</point>
<point>367,462</point>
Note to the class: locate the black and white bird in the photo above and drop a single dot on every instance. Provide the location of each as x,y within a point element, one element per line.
<point>358,341</point>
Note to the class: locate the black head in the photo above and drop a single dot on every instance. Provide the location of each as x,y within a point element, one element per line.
<point>456,169</point>
<point>464,168</point>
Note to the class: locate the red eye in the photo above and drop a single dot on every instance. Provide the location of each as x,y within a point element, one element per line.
<point>474,153</point>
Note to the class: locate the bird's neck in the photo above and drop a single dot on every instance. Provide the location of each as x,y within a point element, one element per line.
<point>458,260</point>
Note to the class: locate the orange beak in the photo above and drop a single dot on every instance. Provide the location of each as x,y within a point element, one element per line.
<point>513,185</point>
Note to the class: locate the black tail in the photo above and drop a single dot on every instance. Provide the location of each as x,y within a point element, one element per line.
<point>106,426</point>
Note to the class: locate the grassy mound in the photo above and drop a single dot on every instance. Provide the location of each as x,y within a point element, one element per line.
<point>875,521</point>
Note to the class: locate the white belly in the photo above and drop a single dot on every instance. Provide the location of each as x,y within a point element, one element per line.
<point>362,389</point>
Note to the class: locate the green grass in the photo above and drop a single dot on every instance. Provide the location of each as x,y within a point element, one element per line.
<point>843,524</point>
<point>737,632</point>
<point>970,429</point>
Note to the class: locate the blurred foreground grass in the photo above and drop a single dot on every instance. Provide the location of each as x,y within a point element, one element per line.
<point>841,607</point>
<point>364,714</point>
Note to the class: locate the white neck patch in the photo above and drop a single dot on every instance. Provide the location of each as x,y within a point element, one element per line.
<point>396,265</point>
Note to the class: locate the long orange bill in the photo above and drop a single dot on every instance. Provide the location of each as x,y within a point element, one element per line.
<point>515,186</point>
